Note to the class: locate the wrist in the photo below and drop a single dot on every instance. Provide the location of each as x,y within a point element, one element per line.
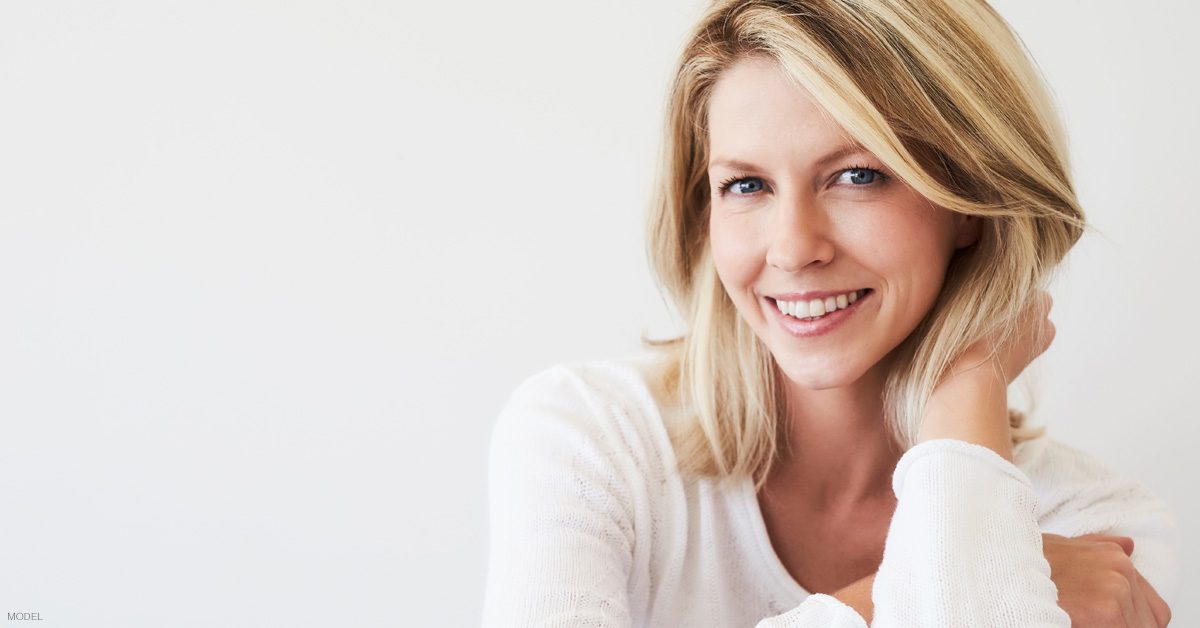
<point>971,406</point>
<point>858,597</point>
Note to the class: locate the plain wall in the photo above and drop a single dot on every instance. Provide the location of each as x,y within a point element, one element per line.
<point>269,271</point>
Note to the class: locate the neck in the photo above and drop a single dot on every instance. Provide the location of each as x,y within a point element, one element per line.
<point>837,451</point>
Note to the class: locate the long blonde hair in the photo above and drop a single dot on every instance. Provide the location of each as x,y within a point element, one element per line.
<point>944,93</point>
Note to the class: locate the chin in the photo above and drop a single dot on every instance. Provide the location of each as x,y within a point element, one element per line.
<point>820,378</point>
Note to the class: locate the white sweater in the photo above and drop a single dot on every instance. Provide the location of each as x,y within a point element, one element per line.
<point>592,525</point>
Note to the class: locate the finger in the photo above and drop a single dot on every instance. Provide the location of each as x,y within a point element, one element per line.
<point>1141,605</point>
<point>1129,609</point>
<point>1047,337</point>
<point>1038,326</point>
<point>1125,542</point>
<point>1158,606</point>
<point>1040,306</point>
<point>1036,309</point>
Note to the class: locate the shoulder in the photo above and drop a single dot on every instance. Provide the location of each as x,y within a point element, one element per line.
<point>599,410</point>
<point>623,380</point>
<point>1050,462</point>
<point>1046,458</point>
<point>1077,492</point>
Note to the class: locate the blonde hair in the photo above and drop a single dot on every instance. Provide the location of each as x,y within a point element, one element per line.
<point>943,92</point>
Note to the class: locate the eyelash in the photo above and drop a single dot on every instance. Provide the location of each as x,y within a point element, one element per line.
<point>880,176</point>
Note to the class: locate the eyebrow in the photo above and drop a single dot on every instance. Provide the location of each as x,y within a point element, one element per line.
<point>841,152</point>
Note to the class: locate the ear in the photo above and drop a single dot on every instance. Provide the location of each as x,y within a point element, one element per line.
<point>966,230</point>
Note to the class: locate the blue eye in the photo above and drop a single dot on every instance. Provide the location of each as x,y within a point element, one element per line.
<point>741,185</point>
<point>861,175</point>
<point>858,176</point>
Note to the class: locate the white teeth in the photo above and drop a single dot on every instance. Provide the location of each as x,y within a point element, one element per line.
<point>817,308</point>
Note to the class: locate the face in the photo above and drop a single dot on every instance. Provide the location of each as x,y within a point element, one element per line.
<point>803,219</point>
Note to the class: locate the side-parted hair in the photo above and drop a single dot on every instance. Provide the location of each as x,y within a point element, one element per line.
<point>946,96</point>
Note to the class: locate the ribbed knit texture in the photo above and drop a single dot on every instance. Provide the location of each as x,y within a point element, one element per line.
<point>592,526</point>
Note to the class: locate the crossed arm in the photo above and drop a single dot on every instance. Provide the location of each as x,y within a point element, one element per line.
<point>1084,570</point>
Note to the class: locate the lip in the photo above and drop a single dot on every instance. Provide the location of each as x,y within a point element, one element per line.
<point>821,326</point>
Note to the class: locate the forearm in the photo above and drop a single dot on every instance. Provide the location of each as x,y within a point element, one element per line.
<point>963,547</point>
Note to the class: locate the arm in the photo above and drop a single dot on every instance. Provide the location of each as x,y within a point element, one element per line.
<point>971,404</point>
<point>1081,499</point>
<point>964,548</point>
<point>969,408</point>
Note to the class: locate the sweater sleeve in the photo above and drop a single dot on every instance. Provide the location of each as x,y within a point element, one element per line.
<point>817,611</point>
<point>964,547</point>
<point>560,531</point>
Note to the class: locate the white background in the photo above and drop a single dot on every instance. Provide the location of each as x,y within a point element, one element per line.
<point>269,270</point>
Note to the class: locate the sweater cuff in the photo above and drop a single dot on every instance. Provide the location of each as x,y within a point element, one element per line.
<point>954,447</point>
<point>816,610</point>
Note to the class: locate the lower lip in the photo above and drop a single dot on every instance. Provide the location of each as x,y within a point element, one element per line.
<point>820,326</point>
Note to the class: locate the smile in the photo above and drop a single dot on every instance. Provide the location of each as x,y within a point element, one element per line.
<point>818,316</point>
<point>817,308</point>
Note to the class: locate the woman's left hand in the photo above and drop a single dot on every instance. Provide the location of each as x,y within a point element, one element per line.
<point>1098,584</point>
<point>1034,333</point>
<point>971,401</point>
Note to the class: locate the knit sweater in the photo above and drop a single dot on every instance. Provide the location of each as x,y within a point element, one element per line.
<point>591,524</point>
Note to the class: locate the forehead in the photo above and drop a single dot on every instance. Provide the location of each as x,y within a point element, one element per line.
<point>756,108</point>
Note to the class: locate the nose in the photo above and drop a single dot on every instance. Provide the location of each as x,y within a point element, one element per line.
<point>801,235</point>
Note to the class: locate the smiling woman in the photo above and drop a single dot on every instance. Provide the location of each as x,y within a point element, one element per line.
<point>859,207</point>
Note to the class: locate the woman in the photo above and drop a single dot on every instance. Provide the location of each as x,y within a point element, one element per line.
<point>859,205</point>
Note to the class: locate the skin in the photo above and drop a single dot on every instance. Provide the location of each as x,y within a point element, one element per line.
<point>786,219</point>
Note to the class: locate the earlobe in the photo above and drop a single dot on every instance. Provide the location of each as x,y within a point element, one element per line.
<point>967,230</point>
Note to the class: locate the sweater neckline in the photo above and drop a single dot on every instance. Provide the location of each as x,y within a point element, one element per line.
<point>783,581</point>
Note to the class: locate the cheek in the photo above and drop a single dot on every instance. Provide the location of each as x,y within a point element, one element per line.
<point>735,254</point>
<point>909,249</point>
<point>908,235</point>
